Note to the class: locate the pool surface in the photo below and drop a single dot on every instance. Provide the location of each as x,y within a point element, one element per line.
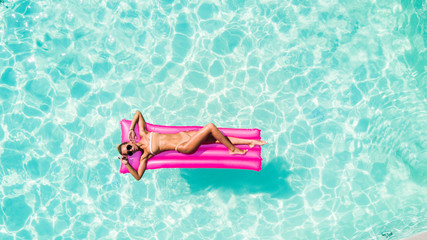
<point>337,87</point>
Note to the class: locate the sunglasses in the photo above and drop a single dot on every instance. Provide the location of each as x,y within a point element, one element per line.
<point>129,147</point>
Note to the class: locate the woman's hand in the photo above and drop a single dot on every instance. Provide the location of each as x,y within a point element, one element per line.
<point>132,135</point>
<point>124,160</point>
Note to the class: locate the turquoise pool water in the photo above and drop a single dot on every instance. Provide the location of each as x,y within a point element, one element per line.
<point>338,89</point>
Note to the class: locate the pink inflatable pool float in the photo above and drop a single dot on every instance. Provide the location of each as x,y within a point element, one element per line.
<point>207,156</point>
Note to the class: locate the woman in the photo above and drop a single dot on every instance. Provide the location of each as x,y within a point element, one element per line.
<point>153,143</point>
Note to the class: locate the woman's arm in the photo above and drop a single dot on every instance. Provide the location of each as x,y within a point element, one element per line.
<point>141,169</point>
<point>141,123</point>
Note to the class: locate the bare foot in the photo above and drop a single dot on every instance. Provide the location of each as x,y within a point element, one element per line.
<point>238,151</point>
<point>256,142</point>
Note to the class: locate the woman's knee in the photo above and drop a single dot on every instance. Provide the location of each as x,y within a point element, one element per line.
<point>210,126</point>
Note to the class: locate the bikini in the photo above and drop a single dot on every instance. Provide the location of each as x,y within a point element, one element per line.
<point>176,148</point>
<point>179,144</point>
<point>150,144</point>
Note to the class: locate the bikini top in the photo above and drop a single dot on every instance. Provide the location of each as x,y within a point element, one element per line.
<point>151,151</point>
